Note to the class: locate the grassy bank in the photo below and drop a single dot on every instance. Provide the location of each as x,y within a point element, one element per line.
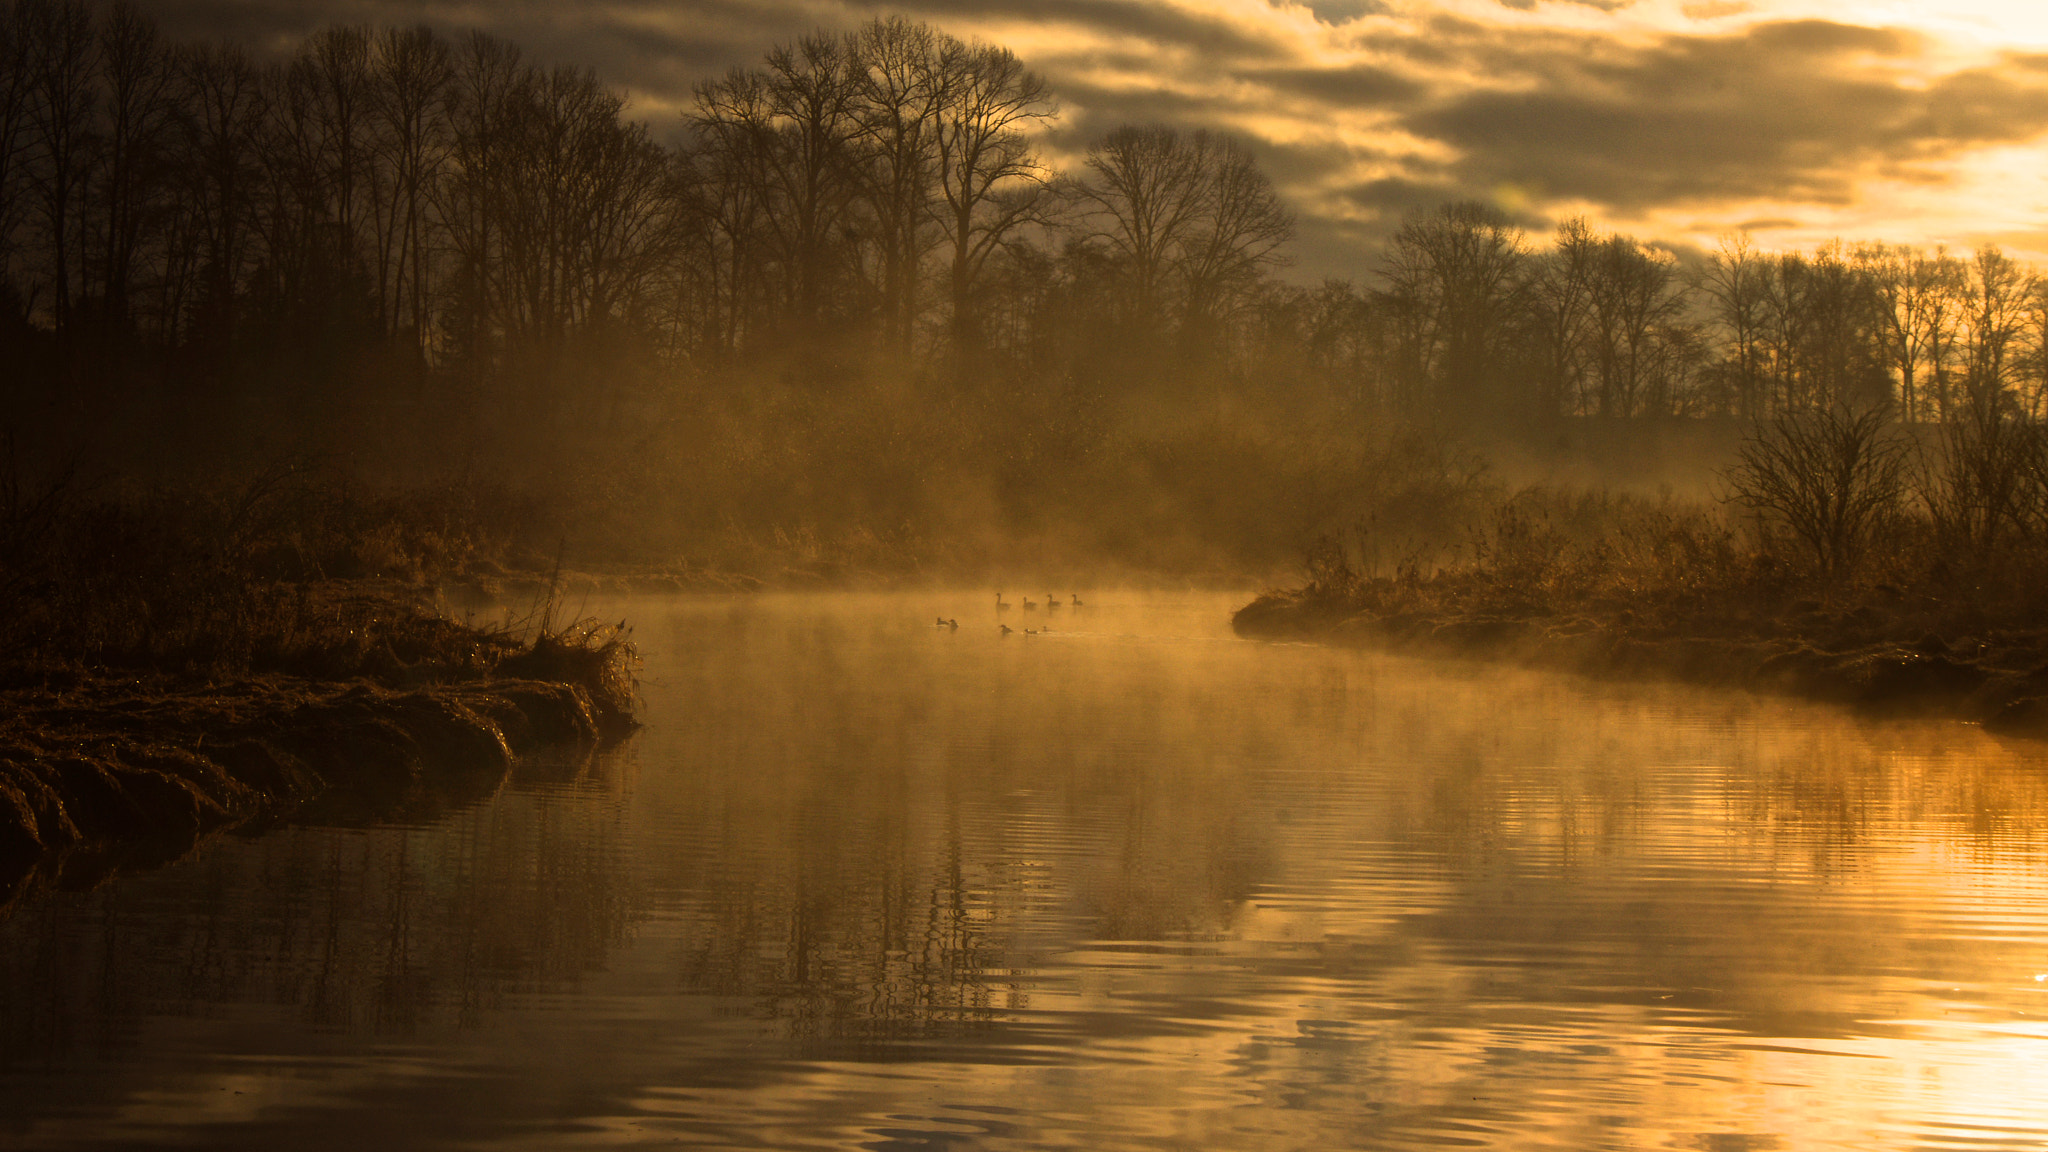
<point>181,660</point>
<point>1908,580</point>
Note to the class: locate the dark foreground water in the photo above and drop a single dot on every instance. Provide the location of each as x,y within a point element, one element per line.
<point>863,883</point>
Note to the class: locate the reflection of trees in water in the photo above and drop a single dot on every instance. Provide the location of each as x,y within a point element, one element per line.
<point>921,911</point>
<point>1459,835</point>
<point>384,931</point>
<point>1548,778</point>
<point>1834,786</point>
<point>884,848</point>
<point>862,885</point>
<point>1789,876</point>
<point>868,930</point>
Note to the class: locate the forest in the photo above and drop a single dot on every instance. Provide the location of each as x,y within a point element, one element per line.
<point>848,312</point>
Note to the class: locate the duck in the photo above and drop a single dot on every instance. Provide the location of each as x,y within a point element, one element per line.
<point>945,623</point>
<point>1006,629</point>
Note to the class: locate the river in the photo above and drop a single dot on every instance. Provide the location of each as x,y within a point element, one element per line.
<point>863,882</point>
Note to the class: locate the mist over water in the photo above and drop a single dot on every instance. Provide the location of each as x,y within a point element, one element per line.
<point>863,881</point>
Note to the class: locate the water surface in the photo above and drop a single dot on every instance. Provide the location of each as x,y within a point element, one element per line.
<point>863,882</point>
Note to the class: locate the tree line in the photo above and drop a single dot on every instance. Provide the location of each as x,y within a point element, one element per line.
<point>1470,315</point>
<point>396,221</point>
<point>397,204</point>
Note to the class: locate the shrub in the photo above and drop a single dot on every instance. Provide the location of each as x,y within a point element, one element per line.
<point>1830,477</point>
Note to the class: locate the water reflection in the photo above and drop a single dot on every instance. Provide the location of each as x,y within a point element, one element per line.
<point>865,883</point>
<point>376,934</point>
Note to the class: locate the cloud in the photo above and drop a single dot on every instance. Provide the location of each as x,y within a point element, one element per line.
<point>1339,11</point>
<point>1362,110</point>
<point>1603,5</point>
<point>1789,111</point>
<point>1342,88</point>
<point>1220,42</point>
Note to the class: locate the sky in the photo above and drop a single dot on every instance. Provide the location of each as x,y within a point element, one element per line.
<point>1679,121</point>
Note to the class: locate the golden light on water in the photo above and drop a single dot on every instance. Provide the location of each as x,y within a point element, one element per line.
<point>1137,885</point>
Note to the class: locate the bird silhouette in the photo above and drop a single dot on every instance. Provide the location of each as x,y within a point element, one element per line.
<point>1000,606</point>
<point>1006,629</point>
<point>1028,605</point>
<point>1077,601</point>
<point>1052,602</point>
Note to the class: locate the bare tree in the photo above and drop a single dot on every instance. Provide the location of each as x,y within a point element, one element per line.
<point>1782,331</point>
<point>139,78</point>
<point>1830,476</point>
<point>1638,345</point>
<point>1454,285</point>
<point>1339,331</point>
<point>1975,482</point>
<point>990,177</point>
<point>225,110</point>
<point>2034,398</point>
<point>1192,222</point>
<point>412,70</point>
<point>1149,186</point>
<point>15,80</point>
<point>1909,288</point>
<point>735,139</point>
<point>335,66</point>
<point>487,75</point>
<point>542,196</point>
<point>633,222</point>
<point>1560,292</point>
<point>1237,238</point>
<point>813,89</point>
<point>902,82</point>
<point>1737,280</point>
<point>1994,320</point>
<point>61,53</point>
<point>1829,345</point>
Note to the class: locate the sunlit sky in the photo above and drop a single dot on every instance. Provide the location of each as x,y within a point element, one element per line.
<point>1921,121</point>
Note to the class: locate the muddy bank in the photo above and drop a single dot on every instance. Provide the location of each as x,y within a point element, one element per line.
<point>100,773</point>
<point>105,769</point>
<point>1995,677</point>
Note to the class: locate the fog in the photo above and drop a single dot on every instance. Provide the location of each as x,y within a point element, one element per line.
<point>348,380</point>
<point>845,316</point>
<point>1129,883</point>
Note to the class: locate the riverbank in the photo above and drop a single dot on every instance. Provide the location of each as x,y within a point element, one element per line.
<point>384,707</point>
<point>1867,654</point>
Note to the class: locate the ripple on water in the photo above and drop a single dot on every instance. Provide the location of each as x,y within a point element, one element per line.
<point>1132,885</point>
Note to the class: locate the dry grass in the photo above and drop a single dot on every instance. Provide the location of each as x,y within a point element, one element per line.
<point>1664,568</point>
<point>285,572</point>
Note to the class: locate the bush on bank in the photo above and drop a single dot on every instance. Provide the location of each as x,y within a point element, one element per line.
<point>1841,556</point>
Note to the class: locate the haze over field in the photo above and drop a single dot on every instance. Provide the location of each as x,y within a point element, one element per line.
<point>1909,121</point>
<point>1156,288</point>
